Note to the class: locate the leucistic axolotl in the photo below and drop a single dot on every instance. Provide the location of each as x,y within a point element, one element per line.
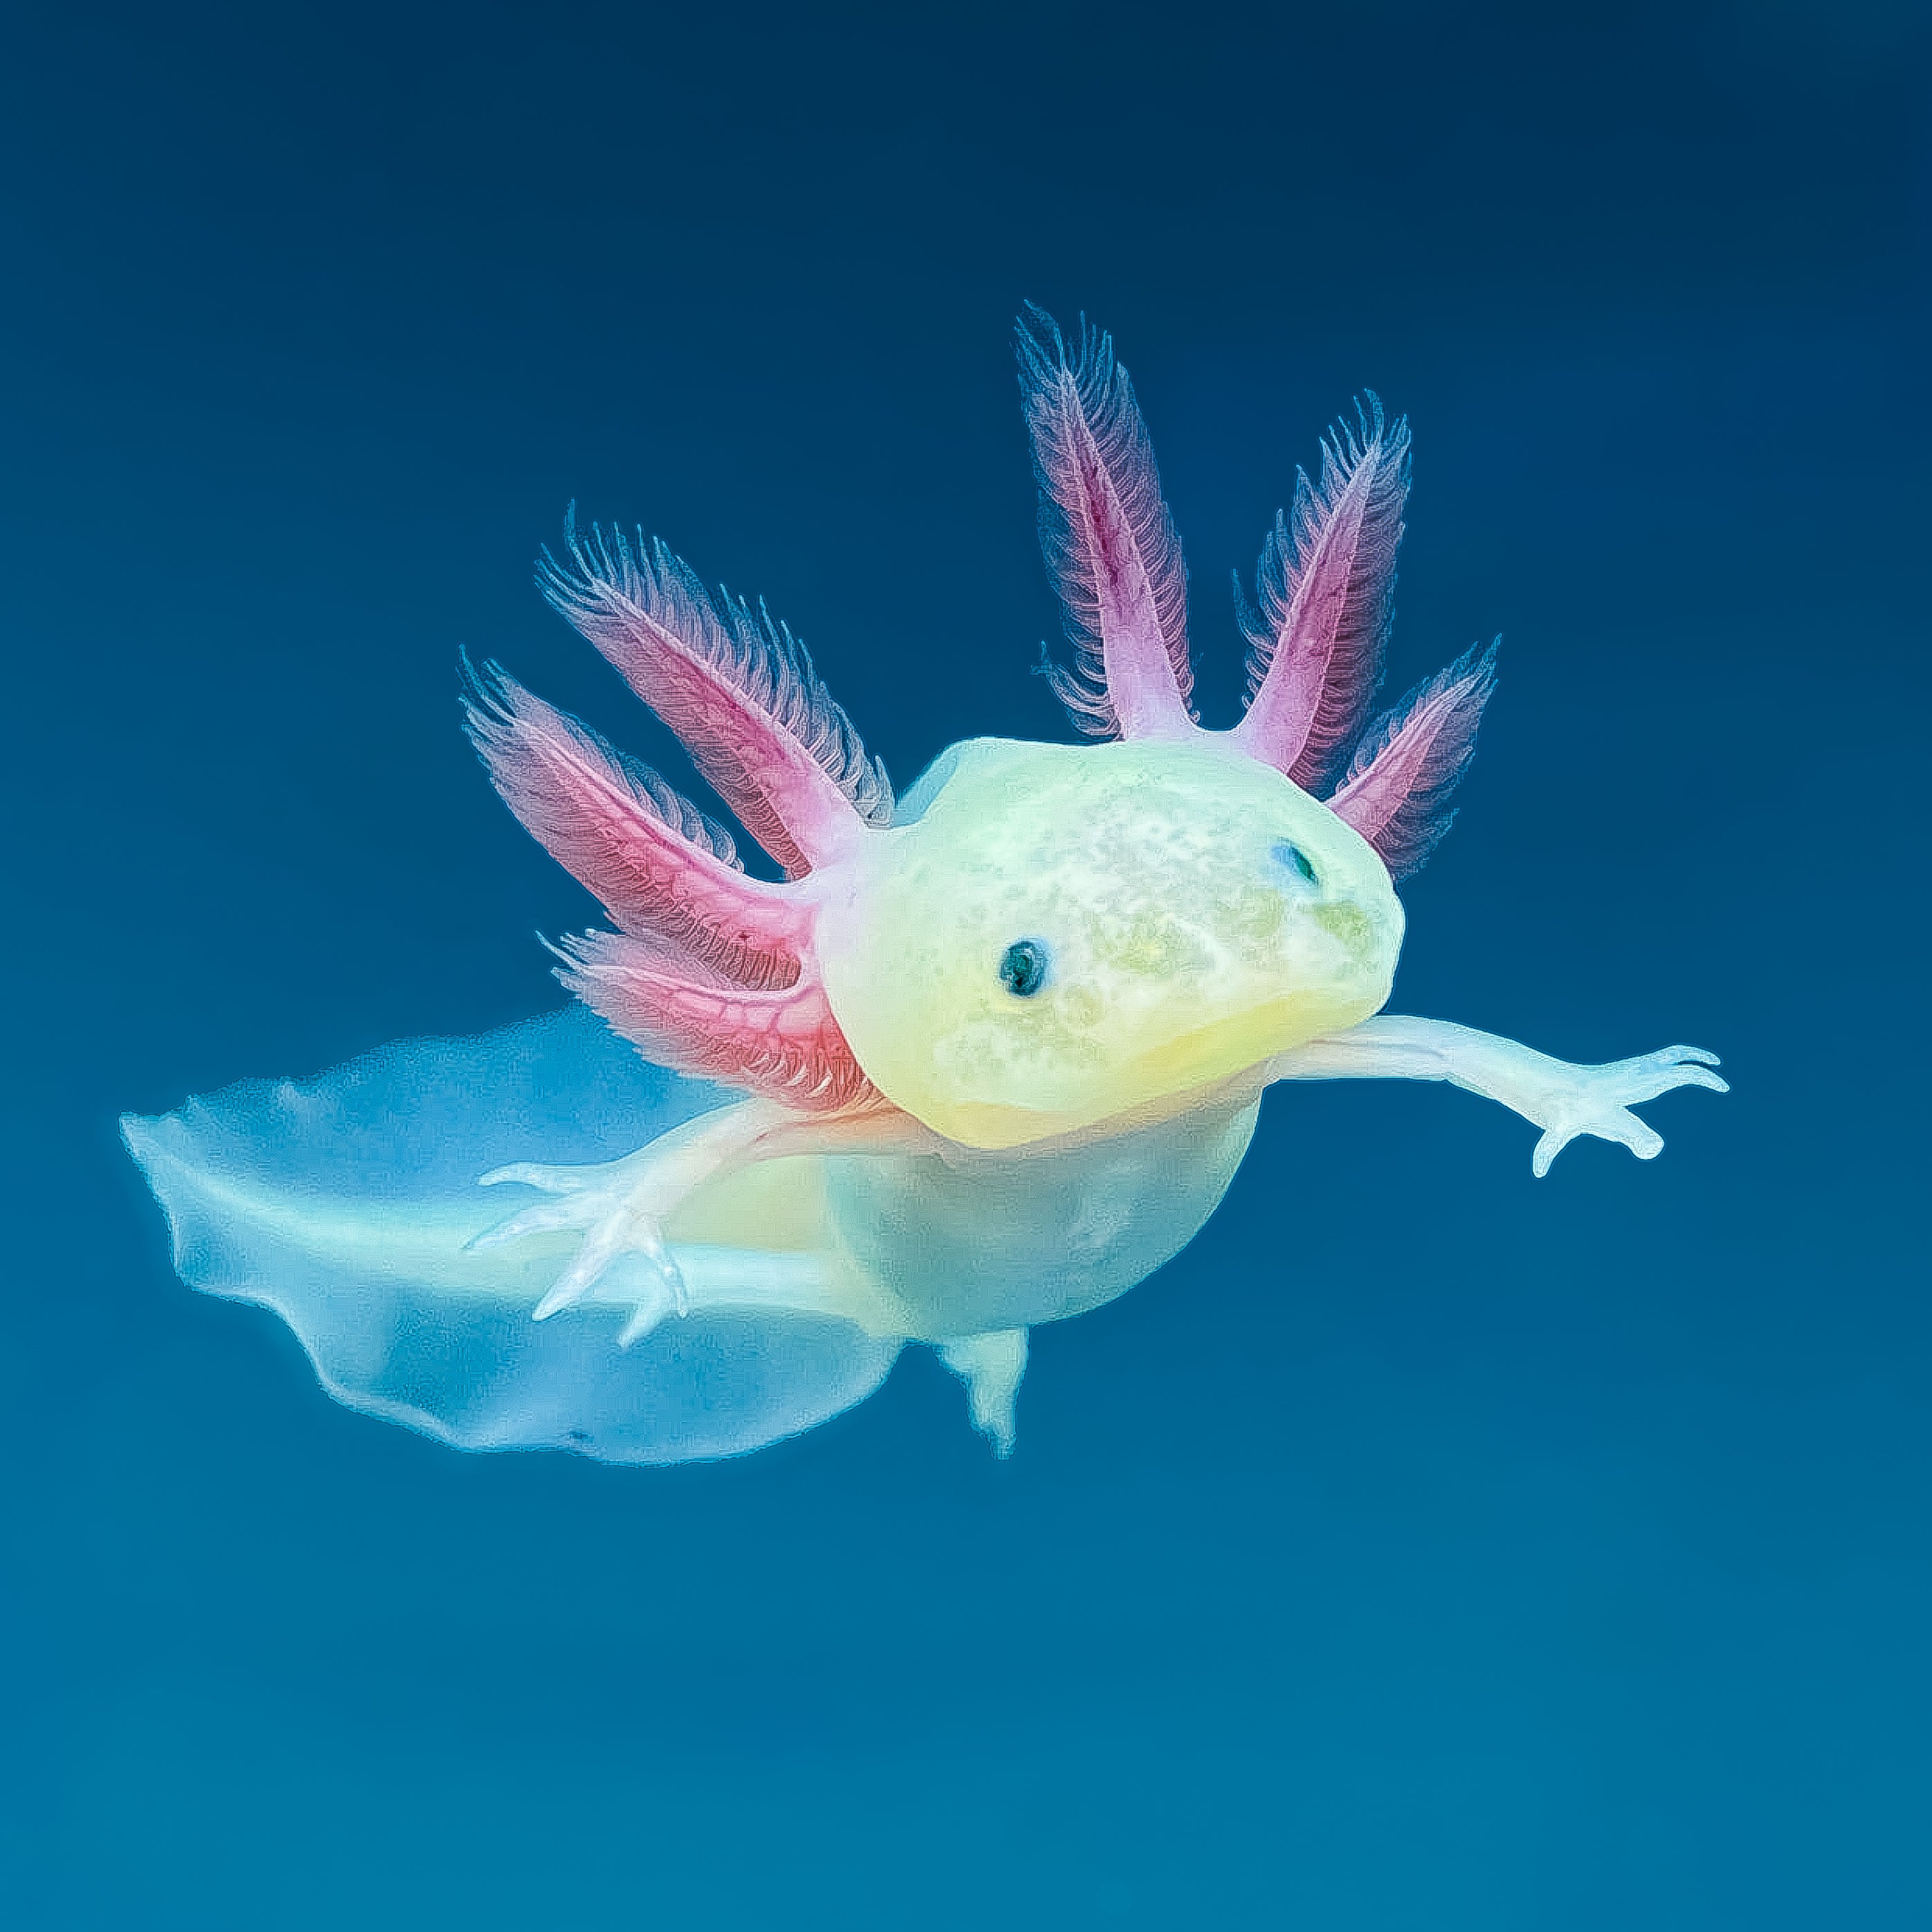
<point>988,1055</point>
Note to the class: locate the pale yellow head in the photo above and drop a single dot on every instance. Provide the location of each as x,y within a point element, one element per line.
<point>1069,934</point>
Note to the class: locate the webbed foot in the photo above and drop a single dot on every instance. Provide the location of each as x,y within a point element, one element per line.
<point>621,1207</point>
<point>1598,1100</point>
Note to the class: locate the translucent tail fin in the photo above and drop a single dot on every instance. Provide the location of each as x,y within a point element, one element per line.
<point>345,1204</point>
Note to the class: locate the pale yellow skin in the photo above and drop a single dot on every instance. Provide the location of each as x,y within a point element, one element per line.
<point>1042,1154</point>
<point>1182,951</point>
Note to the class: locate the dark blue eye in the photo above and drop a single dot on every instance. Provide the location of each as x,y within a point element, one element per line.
<point>1296,860</point>
<point>1023,967</point>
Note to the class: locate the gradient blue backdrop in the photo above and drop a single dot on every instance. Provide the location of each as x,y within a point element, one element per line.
<point>1428,1548</point>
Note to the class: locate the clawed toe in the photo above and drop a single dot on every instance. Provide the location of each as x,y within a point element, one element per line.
<point>546,1217</point>
<point>1631,1082</point>
<point>601,1246</point>
<point>1702,1055</point>
<point>645,1316</point>
<point>534,1173</point>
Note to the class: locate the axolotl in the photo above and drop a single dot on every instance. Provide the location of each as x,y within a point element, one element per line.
<point>987,1055</point>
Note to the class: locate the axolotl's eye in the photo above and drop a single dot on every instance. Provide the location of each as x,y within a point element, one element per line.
<point>1297,861</point>
<point>1023,967</point>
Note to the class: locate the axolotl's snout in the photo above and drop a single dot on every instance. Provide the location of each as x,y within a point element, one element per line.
<point>1068,936</point>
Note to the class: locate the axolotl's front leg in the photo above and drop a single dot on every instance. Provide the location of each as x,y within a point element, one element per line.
<point>621,1207</point>
<point>1564,1099</point>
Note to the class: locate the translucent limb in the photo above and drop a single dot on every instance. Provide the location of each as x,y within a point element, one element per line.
<point>1564,1099</point>
<point>621,1207</point>
<point>990,1366</point>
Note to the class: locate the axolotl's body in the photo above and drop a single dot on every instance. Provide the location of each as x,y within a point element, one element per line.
<point>998,1046</point>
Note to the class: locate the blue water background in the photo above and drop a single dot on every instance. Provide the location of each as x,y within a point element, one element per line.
<point>1428,1548</point>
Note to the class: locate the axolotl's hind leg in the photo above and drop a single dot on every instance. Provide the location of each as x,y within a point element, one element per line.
<point>990,1366</point>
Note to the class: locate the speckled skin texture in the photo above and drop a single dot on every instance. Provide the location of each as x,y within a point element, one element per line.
<point>1182,946</point>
